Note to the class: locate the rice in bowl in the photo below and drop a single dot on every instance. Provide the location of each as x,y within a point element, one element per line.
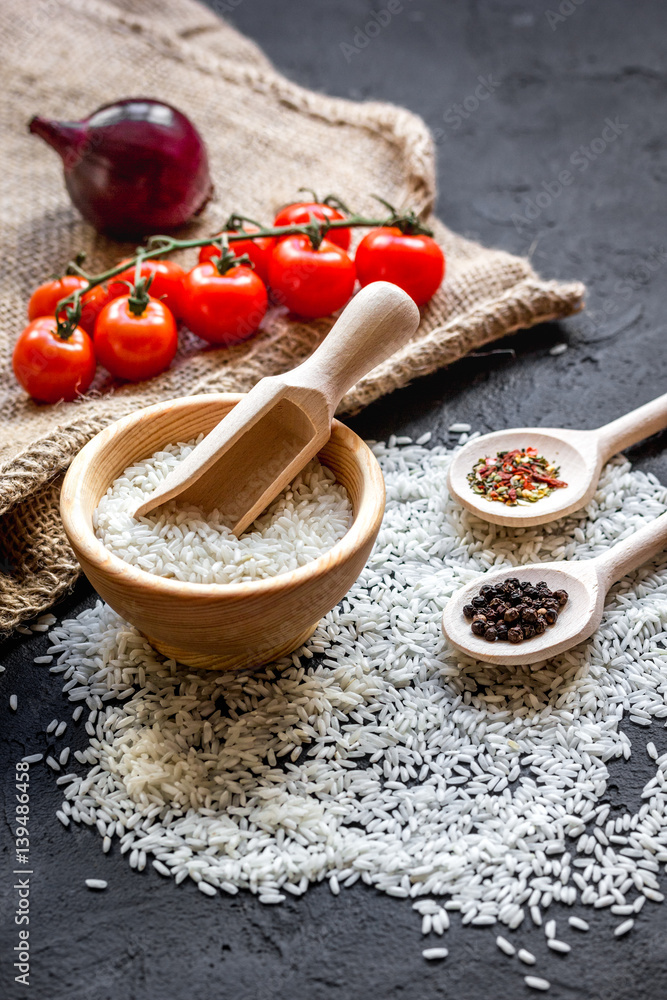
<point>183,543</point>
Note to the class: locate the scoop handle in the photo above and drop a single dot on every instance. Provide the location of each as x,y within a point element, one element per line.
<point>632,552</point>
<point>633,427</point>
<point>379,320</point>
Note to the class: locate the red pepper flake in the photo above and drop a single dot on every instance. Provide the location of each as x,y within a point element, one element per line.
<point>514,477</point>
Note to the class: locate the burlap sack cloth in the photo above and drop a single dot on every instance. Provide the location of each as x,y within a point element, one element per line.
<point>266,137</point>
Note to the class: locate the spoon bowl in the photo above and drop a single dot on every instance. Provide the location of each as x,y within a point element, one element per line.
<point>580,456</point>
<point>575,452</point>
<point>586,582</point>
<point>577,620</point>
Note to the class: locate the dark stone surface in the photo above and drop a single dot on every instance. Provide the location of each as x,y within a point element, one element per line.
<point>555,82</point>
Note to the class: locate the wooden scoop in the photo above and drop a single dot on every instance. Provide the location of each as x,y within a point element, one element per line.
<point>580,455</point>
<point>586,582</point>
<point>258,448</point>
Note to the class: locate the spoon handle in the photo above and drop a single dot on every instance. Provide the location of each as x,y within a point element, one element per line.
<point>379,320</point>
<point>633,427</point>
<point>627,555</point>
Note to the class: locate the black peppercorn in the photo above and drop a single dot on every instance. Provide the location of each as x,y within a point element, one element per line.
<point>514,611</point>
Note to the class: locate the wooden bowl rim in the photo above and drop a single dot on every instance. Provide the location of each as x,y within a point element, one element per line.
<point>364,525</point>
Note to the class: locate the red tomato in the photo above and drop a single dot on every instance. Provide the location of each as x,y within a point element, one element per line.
<point>300,212</point>
<point>414,263</point>
<point>49,368</point>
<point>223,308</point>
<point>258,250</point>
<point>135,347</point>
<point>44,300</point>
<point>167,283</point>
<point>311,282</point>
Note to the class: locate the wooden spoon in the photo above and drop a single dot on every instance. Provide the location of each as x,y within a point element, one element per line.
<point>580,455</point>
<point>586,582</point>
<point>258,448</point>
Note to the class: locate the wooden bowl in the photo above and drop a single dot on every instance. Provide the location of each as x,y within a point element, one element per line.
<point>217,626</point>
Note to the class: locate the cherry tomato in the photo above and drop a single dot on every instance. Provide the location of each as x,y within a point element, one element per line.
<point>44,300</point>
<point>414,263</point>
<point>311,282</point>
<point>300,212</point>
<point>167,283</point>
<point>135,347</point>
<point>258,250</point>
<point>49,368</point>
<point>223,308</point>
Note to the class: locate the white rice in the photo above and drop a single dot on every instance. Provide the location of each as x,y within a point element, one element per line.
<point>505,946</point>
<point>378,754</point>
<point>13,702</point>
<point>432,954</point>
<point>623,928</point>
<point>96,883</point>
<point>182,543</point>
<point>561,946</point>
<point>536,983</point>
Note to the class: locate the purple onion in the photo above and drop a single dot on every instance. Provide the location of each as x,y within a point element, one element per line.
<point>134,167</point>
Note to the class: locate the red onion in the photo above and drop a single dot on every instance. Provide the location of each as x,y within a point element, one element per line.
<point>132,168</point>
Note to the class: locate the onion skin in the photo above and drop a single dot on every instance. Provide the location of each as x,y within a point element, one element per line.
<point>134,167</point>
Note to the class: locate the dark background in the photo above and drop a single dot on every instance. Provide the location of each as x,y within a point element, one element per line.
<point>558,71</point>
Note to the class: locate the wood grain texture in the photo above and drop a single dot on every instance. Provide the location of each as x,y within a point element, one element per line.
<point>247,459</point>
<point>580,455</point>
<point>214,625</point>
<point>586,581</point>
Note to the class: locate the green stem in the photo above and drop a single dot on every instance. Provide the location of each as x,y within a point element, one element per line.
<point>159,246</point>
